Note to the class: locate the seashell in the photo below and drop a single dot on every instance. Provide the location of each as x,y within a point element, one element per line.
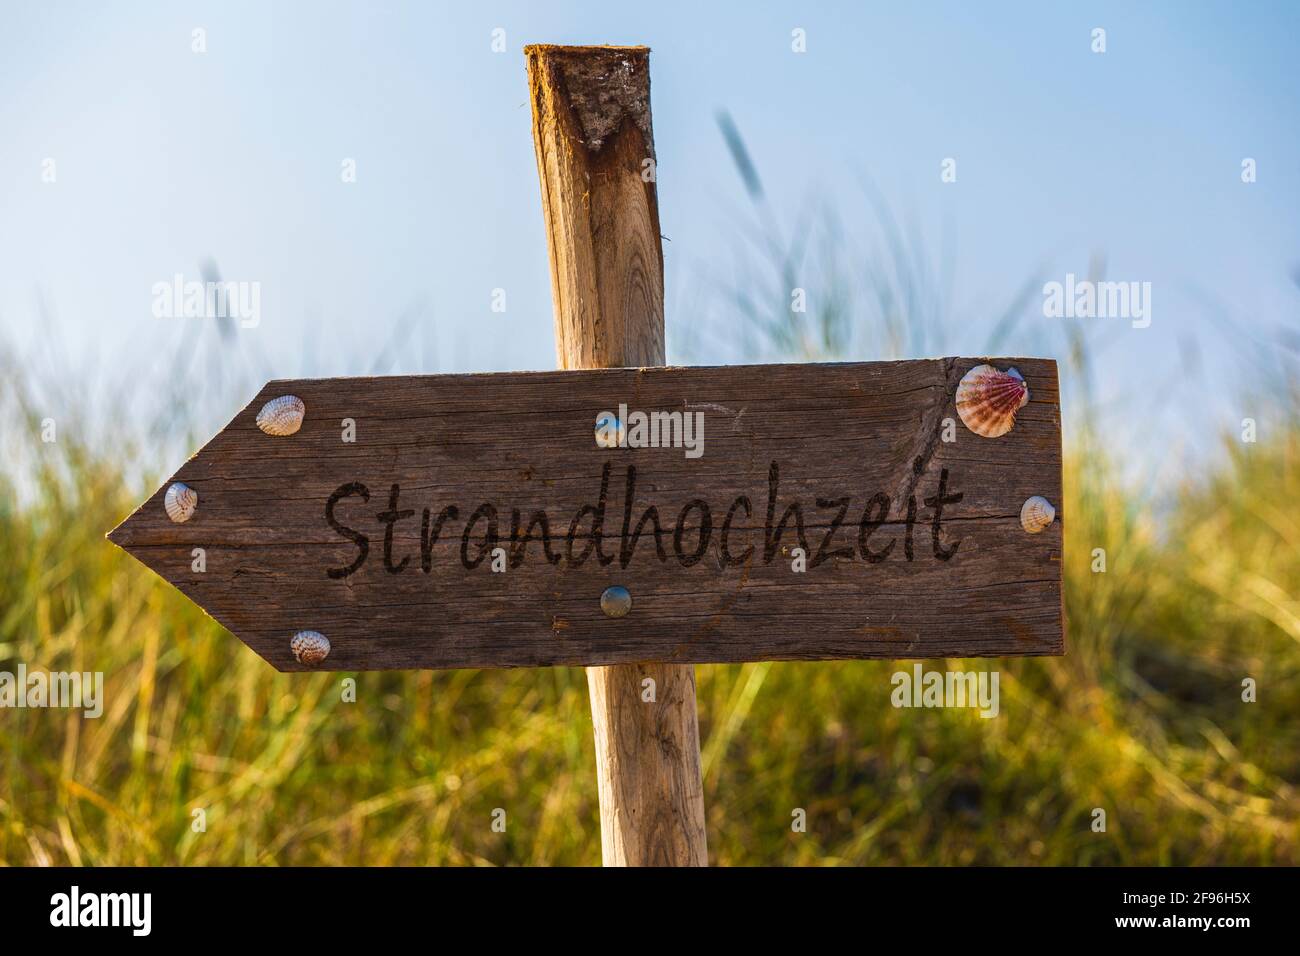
<point>180,501</point>
<point>1036,514</point>
<point>282,416</point>
<point>987,400</point>
<point>310,647</point>
<point>610,432</point>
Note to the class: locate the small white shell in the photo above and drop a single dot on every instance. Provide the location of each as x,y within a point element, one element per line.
<point>180,501</point>
<point>282,416</point>
<point>310,647</point>
<point>1036,514</point>
<point>987,400</point>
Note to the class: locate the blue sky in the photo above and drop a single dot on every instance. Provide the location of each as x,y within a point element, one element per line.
<point>165,157</point>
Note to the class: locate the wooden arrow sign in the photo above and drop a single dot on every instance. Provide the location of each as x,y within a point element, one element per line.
<point>749,513</point>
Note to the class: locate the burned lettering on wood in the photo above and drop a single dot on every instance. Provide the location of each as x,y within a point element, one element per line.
<point>701,529</point>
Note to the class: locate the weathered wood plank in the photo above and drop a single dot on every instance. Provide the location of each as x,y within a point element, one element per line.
<point>524,442</point>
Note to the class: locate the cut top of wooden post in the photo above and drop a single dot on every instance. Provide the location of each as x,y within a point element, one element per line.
<point>603,86</point>
<point>596,162</point>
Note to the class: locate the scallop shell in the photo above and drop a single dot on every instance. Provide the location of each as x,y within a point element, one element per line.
<point>180,501</point>
<point>987,400</point>
<point>1036,514</point>
<point>310,647</point>
<point>282,416</point>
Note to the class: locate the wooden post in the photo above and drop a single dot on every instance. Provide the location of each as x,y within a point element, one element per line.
<point>595,158</point>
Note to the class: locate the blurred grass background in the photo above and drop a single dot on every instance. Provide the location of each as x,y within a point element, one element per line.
<point>1143,718</point>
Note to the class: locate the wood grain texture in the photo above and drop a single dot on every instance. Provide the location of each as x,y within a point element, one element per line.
<point>593,139</point>
<point>648,766</point>
<point>525,442</point>
<point>592,133</point>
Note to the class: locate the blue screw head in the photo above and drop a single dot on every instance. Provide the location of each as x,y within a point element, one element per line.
<point>616,601</point>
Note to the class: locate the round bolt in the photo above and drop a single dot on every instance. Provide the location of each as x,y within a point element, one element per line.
<point>609,431</point>
<point>616,601</point>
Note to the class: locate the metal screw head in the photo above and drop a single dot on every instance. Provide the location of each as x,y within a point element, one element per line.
<point>609,431</point>
<point>616,601</point>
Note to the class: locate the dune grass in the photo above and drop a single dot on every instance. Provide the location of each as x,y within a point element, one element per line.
<point>1143,717</point>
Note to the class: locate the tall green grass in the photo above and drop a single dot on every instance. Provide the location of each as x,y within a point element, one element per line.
<point>1143,717</point>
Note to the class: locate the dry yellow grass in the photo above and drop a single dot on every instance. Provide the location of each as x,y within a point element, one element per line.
<point>1143,718</point>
